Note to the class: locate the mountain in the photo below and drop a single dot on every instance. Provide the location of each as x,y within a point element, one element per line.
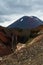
<point>26,22</point>
<point>21,31</point>
<point>21,43</point>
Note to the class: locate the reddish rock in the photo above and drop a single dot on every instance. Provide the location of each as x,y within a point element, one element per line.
<point>2,37</point>
<point>4,50</point>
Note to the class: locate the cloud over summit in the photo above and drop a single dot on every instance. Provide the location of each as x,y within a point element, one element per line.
<point>19,7</point>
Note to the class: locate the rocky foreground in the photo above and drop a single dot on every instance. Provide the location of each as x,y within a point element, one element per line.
<point>26,54</point>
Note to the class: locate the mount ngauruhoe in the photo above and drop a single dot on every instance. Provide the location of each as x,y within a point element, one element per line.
<point>26,23</point>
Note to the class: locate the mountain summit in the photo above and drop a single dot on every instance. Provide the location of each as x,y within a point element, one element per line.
<point>26,22</point>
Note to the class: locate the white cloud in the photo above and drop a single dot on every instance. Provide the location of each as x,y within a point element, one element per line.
<point>11,10</point>
<point>12,18</point>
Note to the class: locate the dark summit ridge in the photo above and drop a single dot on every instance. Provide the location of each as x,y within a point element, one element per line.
<point>26,22</point>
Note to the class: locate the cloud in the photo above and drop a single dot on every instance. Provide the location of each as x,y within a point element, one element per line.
<point>21,7</point>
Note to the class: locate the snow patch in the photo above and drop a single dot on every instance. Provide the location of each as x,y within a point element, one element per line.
<point>21,20</point>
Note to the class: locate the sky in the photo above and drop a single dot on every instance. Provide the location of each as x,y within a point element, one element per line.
<point>11,10</point>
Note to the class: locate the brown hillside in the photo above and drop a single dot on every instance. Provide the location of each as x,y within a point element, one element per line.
<point>11,37</point>
<point>29,55</point>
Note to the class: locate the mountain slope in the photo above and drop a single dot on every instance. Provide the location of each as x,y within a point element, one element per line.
<point>5,43</point>
<point>26,23</point>
<point>29,55</point>
<point>11,36</point>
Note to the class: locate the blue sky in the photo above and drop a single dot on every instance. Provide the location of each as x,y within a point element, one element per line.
<point>11,10</point>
